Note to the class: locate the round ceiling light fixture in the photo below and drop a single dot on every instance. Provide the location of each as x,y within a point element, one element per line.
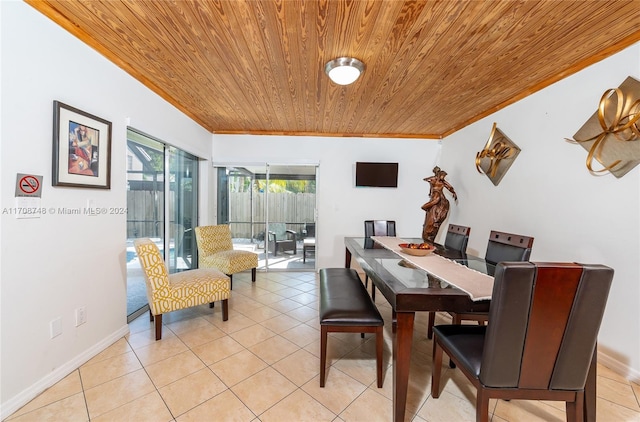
<point>344,70</point>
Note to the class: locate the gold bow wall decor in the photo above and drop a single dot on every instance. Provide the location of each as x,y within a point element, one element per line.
<point>612,134</point>
<point>497,156</point>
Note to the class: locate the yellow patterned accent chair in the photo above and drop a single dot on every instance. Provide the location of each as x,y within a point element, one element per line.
<point>171,292</point>
<point>215,249</point>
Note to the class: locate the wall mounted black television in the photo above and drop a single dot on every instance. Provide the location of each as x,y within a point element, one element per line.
<point>382,175</point>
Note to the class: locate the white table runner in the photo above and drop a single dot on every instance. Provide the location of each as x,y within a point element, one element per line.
<point>477,285</point>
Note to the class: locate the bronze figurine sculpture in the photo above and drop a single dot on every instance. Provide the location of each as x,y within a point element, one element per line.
<point>438,206</point>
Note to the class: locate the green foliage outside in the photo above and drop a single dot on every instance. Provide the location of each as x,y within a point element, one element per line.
<point>242,184</point>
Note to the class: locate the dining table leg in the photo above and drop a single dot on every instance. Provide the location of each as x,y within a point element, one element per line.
<point>402,343</point>
<point>347,258</point>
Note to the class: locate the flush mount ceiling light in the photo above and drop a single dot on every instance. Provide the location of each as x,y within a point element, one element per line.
<point>344,70</point>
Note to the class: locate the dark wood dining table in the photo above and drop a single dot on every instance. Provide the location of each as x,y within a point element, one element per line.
<point>409,290</point>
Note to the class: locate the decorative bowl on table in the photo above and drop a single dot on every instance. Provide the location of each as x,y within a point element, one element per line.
<point>417,249</point>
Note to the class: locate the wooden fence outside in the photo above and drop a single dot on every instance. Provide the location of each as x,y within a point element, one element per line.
<point>294,209</point>
<point>144,213</point>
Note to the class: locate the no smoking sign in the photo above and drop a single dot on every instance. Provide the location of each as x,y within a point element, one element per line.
<point>28,185</point>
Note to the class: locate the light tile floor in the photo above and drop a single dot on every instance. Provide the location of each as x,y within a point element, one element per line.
<point>263,365</point>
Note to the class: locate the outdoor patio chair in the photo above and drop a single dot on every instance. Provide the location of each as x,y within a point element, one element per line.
<point>309,242</point>
<point>309,230</point>
<point>281,239</point>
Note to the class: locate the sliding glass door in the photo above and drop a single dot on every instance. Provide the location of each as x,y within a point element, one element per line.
<point>271,209</point>
<point>183,209</point>
<point>162,204</point>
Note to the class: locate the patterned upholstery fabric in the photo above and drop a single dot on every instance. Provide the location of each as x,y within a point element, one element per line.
<point>216,250</point>
<point>170,292</point>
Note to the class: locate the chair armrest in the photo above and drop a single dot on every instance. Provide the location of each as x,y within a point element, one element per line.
<point>292,233</point>
<point>272,236</point>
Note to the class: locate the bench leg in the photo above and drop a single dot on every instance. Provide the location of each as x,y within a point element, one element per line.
<point>323,353</point>
<point>378,331</point>
<point>253,274</point>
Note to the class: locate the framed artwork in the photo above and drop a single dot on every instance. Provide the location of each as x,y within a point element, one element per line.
<point>497,156</point>
<point>81,149</point>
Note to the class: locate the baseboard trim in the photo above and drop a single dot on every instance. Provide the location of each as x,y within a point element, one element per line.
<point>617,366</point>
<point>13,404</point>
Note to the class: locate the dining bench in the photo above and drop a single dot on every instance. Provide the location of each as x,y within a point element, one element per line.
<point>345,306</point>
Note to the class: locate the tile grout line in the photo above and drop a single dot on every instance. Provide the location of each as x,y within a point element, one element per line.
<point>84,394</point>
<point>150,379</point>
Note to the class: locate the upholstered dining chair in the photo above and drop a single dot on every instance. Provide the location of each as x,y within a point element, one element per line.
<point>215,250</point>
<point>508,247</point>
<point>501,247</point>
<point>456,240</point>
<point>377,228</point>
<point>457,237</point>
<point>171,292</point>
<point>539,345</point>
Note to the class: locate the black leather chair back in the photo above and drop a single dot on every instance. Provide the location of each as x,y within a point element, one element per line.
<point>544,323</point>
<point>508,247</point>
<point>379,228</point>
<point>457,238</point>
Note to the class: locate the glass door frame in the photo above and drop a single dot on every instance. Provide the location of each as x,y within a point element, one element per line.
<point>182,167</point>
<point>267,263</point>
<point>178,166</point>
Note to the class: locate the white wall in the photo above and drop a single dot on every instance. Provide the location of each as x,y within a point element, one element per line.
<point>342,208</point>
<point>56,263</point>
<point>548,193</point>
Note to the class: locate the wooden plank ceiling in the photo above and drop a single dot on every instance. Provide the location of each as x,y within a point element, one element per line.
<point>432,67</point>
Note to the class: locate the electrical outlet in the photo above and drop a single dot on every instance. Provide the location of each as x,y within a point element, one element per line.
<point>81,316</point>
<point>55,327</point>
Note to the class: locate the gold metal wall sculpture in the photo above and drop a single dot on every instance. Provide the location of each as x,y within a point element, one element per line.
<point>612,134</point>
<point>497,156</point>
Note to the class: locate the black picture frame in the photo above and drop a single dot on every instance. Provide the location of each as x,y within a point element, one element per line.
<point>81,149</point>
